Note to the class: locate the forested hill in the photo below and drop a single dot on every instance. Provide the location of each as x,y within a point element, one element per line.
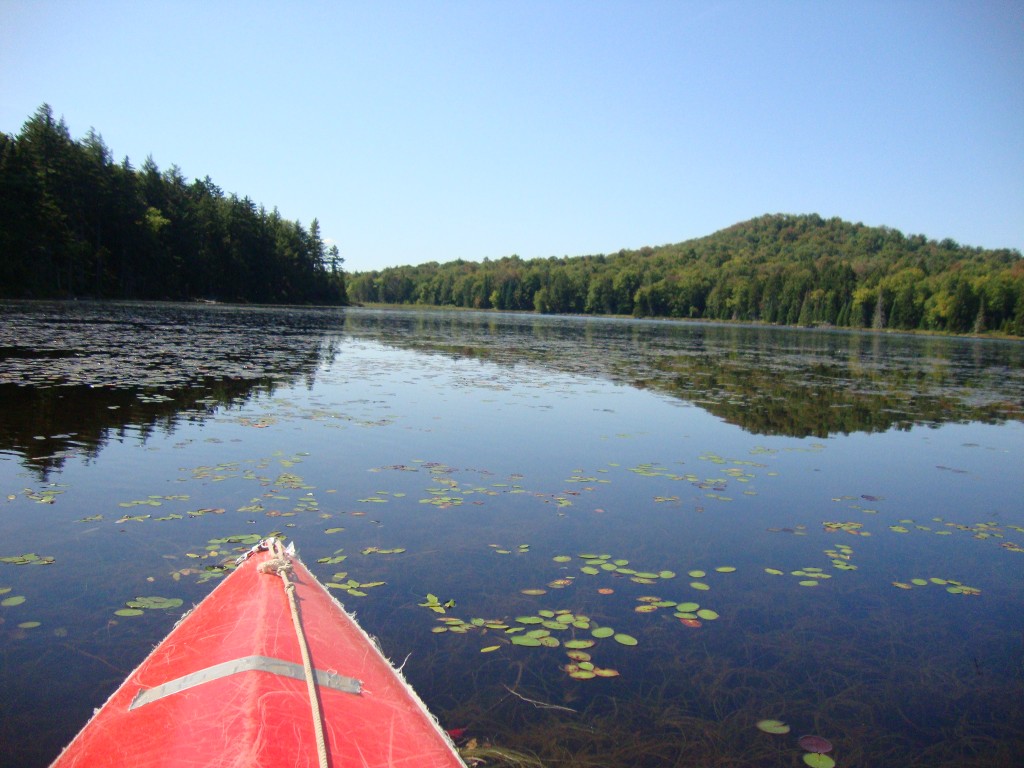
<point>73,223</point>
<point>794,270</point>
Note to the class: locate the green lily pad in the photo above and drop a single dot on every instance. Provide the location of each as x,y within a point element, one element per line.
<point>686,607</point>
<point>700,586</point>
<point>707,614</point>
<point>531,642</point>
<point>7,602</point>
<point>29,624</point>
<point>815,760</point>
<point>29,558</point>
<point>696,574</point>
<point>579,644</point>
<point>624,639</point>
<point>773,571</point>
<point>601,632</point>
<point>490,648</point>
<point>725,569</point>
<point>772,726</point>
<point>155,603</point>
<point>129,612</point>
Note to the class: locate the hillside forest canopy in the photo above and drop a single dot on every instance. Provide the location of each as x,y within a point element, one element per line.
<point>782,269</point>
<point>74,223</point>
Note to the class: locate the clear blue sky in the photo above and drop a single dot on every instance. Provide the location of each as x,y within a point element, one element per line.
<point>419,131</point>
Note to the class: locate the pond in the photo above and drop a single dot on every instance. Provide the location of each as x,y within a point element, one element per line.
<point>643,538</point>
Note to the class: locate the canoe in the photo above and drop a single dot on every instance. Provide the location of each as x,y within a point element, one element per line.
<point>268,670</point>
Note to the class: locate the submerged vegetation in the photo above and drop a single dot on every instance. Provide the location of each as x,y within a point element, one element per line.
<point>782,269</point>
<point>74,223</point>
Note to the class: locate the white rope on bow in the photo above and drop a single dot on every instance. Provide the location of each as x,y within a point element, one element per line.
<point>281,565</point>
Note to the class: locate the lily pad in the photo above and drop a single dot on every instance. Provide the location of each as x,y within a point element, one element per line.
<point>579,644</point>
<point>7,602</point>
<point>624,639</point>
<point>582,674</point>
<point>817,760</point>
<point>707,614</point>
<point>602,632</point>
<point>532,642</point>
<point>29,624</point>
<point>155,603</point>
<point>817,744</point>
<point>129,612</point>
<point>772,726</point>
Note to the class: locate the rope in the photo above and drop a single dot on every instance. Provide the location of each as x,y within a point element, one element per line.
<point>281,565</point>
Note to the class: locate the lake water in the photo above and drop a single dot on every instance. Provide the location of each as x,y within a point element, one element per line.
<point>848,506</point>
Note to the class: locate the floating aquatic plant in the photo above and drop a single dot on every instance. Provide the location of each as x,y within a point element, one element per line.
<point>817,760</point>
<point>29,558</point>
<point>433,603</point>
<point>818,744</point>
<point>772,726</point>
<point>139,605</point>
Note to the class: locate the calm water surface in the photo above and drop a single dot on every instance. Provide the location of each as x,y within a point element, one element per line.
<point>848,505</point>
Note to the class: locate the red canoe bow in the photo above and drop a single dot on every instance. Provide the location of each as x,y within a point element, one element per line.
<point>229,687</point>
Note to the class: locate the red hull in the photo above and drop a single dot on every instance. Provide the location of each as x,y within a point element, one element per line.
<point>250,711</point>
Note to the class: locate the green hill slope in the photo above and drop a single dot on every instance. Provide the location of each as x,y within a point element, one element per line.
<point>779,268</point>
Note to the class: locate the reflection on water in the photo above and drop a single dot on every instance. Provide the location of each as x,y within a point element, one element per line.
<point>73,375</point>
<point>766,380</point>
<point>596,478</point>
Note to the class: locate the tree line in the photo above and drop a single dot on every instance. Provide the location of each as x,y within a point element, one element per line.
<point>74,223</point>
<point>784,269</point>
